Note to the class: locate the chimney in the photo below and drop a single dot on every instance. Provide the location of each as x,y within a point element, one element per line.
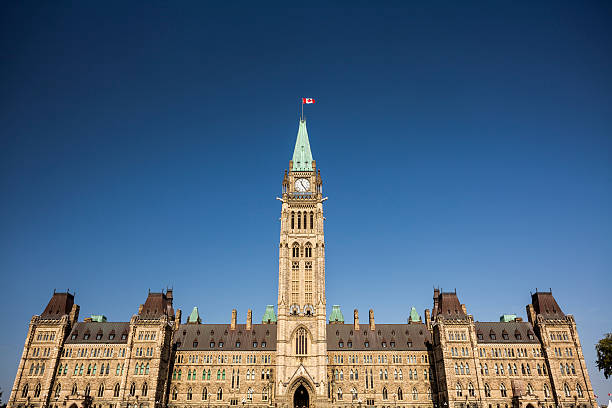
<point>463,308</point>
<point>249,324</point>
<point>427,318</point>
<point>435,305</point>
<point>140,309</point>
<point>531,314</point>
<point>73,317</point>
<point>178,316</point>
<point>233,325</point>
<point>372,325</point>
<point>356,320</point>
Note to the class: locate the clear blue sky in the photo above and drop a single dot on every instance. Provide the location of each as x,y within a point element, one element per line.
<point>463,145</point>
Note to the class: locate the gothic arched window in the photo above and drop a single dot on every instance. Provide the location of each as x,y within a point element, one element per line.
<point>24,392</point>
<point>385,394</point>
<point>487,390</point>
<point>116,392</point>
<point>459,390</point>
<point>299,220</point>
<point>189,394</point>
<point>308,250</point>
<point>132,389</point>
<point>311,220</point>
<point>58,390</point>
<point>400,394</point>
<point>568,392</point>
<point>204,394</point>
<point>579,391</point>
<point>295,250</point>
<point>101,391</point>
<point>301,342</point>
<point>305,215</point>
<point>145,389</point>
<point>292,219</point>
<point>220,394</point>
<point>502,390</point>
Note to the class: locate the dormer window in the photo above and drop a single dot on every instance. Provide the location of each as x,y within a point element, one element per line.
<point>212,344</point>
<point>349,344</point>
<point>86,336</point>
<point>263,344</point>
<point>254,344</point>
<point>366,344</point>
<point>74,336</point>
<point>392,344</point>
<point>99,336</point>
<point>492,335</point>
<point>505,335</point>
<point>220,344</point>
<point>409,344</point>
<point>341,344</point>
<point>238,344</point>
<point>479,336</point>
<point>195,344</point>
<point>384,344</point>
<point>530,335</point>
<point>123,336</point>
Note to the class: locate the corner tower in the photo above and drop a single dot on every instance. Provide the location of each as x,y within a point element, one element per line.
<point>301,343</point>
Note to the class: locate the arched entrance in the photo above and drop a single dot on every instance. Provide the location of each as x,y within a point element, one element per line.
<point>300,397</point>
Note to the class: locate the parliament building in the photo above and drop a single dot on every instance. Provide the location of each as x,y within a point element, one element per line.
<point>298,357</point>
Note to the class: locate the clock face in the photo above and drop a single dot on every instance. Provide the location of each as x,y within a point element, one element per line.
<point>302,185</point>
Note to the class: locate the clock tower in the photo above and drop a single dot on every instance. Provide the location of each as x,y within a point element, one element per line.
<point>301,339</point>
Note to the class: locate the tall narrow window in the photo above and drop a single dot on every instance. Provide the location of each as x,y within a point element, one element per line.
<point>311,220</point>
<point>568,392</point>
<point>305,215</point>
<point>292,219</point>
<point>502,390</point>
<point>301,342</point>
<point>487,390</point>
<point>308,281</point>
<point>295,282</point>
<point>58,390</point>
<point>145,389</point>
<point>101,391</point>
<point>299,220</point>
<point>37,391</point>
<point>116,391</point>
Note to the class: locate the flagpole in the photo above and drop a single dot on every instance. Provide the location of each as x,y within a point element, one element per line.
<point>302,118</point>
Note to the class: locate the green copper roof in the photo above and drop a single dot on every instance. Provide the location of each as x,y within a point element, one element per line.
<point>269,315</point>
<point>336,315</point>
<point>507,318</point>
<point>98,318</point>
<point>302,157</point>
<point>414,316</point>
<point>194,317</point>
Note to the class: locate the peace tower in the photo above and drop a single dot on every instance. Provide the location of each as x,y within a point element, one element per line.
<point>301,341</point>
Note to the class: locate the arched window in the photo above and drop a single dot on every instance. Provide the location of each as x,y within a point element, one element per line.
<point>301,342</point>
<point>132,389</point>
<point>487,390</point>
<point>353,394</point>
<point>305,216</point>
<point>116,392</point>
<point>546,391</point>
<point>459,390</point>
<point>250,394</point>
<point>101,390</point>
<point>530,389</point>
<point>74,389</point>
<point>299,219</point>
<point>24,392</point>
<point>189,394</point>
<point>566,389</point>
<point>456,370</point>
<point>295,250</point>
<point>220,394</point>
<point>174,394</point>
<point>292,219</point>
<point>579,391</point>
<point>58,390</point>
<point>204,394</point>
<point>401,376</point>
<point>471,391</point>
<point>264,394</point>
<point>87,390</point>
<point>339,394</point>
<point>308,250</point>
<point>385,394</point>
<point>400,394</point>
<point>311,220</point>
<point>502,390</point>
<point>415,394</point>
<point>145,389</point>
<point>573,369</point>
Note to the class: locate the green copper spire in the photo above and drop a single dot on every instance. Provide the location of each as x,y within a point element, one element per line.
<point>414,316</point>
<point>269,315</point>
<point>336,315</point>
<point>302,157</point>
<point>194,317</point>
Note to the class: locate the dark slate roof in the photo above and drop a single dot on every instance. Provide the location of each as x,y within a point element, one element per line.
<point>517,332</point>
<point>94,328</point>
<point>204,334</point>
<point>157,305</point>
<point>545,304</point>
<point>59,305</point>
<point>415,333</point>
<point>449,306</point>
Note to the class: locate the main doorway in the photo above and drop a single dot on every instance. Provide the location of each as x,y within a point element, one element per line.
<point>300,398</point>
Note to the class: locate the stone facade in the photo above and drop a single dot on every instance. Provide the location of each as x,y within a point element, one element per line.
<point>299,358</point>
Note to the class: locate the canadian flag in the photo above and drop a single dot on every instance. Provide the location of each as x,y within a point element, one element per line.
<point>307,100</point>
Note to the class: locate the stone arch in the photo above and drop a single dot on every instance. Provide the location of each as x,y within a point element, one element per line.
<point>301,384</point>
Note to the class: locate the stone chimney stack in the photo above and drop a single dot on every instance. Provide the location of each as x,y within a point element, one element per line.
<point>463,308</point>
<point>435,305</point>
<point>356,320</point>
<point>178,316</point>
<point>427,318</point>
<point>249,324</point>
<point>372,325</point>
<point>233,325</point>
<point>73,317</point>
<point>140,309</point>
